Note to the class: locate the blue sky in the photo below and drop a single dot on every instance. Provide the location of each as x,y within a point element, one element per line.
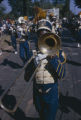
<point>6,5</point>
<point>73,8</point>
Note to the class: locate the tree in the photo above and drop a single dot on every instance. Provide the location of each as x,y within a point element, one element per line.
<point>29,7</point>
<point>65,11</point>
<point>24,7</point>
<point>20,7</point>
<point>55,2</point>
<point>1,1</point>
<point>2,9</point>
<point>16,7</point>
<point>78,3</point>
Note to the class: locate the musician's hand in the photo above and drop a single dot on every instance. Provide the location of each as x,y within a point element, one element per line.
<point>34,52</point>
<point>52,56</point>
<point>49,57</point>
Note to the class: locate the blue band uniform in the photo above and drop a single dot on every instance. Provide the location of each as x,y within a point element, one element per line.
<point>45,95</point>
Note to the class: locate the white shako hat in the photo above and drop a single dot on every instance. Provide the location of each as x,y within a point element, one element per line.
<point>21,20</point>
<point>44,24</point>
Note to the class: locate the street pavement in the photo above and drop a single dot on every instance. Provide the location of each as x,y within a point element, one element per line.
<point>70,93</point>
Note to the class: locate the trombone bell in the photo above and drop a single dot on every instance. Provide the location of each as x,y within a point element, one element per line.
<point>49,43</point>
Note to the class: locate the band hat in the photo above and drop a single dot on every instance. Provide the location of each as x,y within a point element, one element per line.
<point>44,20</point>
<point>41,28</point>
<point>44,24</point>
<point>21,20</point>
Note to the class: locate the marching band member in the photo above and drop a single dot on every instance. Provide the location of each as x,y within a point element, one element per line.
<point>79,29</point>
<point>45,87</point>
<point>23,43</point>
<point>13,37</point>
<point>0,41</point>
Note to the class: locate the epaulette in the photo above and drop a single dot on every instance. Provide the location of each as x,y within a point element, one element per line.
<point>59,68</point>
<point>62,56</point>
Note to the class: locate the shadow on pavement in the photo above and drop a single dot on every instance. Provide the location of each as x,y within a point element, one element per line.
<point>9,101</point>
<point>73,63</point>
<point>20,115</point>
<point>1,90</point>
<point>67,102</point>
<point>11,64</point>
<point>9,43</point>
<point>9,51</point>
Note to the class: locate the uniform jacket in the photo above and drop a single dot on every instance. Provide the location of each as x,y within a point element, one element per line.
<point>50,70</point>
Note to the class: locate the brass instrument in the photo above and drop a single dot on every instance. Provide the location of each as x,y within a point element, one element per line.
<point>49,44</point>
<point>8,88</point>
<point>39,14</point>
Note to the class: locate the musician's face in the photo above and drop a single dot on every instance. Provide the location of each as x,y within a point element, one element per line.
<point>41,32</point>
<point>23,25</point>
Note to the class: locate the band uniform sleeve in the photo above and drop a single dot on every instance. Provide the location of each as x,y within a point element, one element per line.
<point>58,67</point>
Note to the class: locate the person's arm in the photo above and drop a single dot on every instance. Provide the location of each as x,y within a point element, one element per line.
<point>58,67</point>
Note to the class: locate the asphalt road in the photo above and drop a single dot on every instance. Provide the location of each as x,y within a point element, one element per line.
<point>70,88</point>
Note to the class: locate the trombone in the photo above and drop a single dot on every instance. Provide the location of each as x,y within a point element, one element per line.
<point>49,44</point>
<point>8,88</point>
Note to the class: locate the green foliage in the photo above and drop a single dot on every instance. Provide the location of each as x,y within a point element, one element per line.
<point>16,7</point>
<point>1,1</point>
<point>65,11</point>
<point>78,3</point>
<point>20,7</point>
<point>29,6</point>
<point>25,7</point>
<point>2,9</point>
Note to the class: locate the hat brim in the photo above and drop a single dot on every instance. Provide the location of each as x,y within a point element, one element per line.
<point>42,28</point>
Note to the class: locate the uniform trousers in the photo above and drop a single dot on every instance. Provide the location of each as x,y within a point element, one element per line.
<point>13,40</point>
<point>25,54</point>
<point>46,103</point>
